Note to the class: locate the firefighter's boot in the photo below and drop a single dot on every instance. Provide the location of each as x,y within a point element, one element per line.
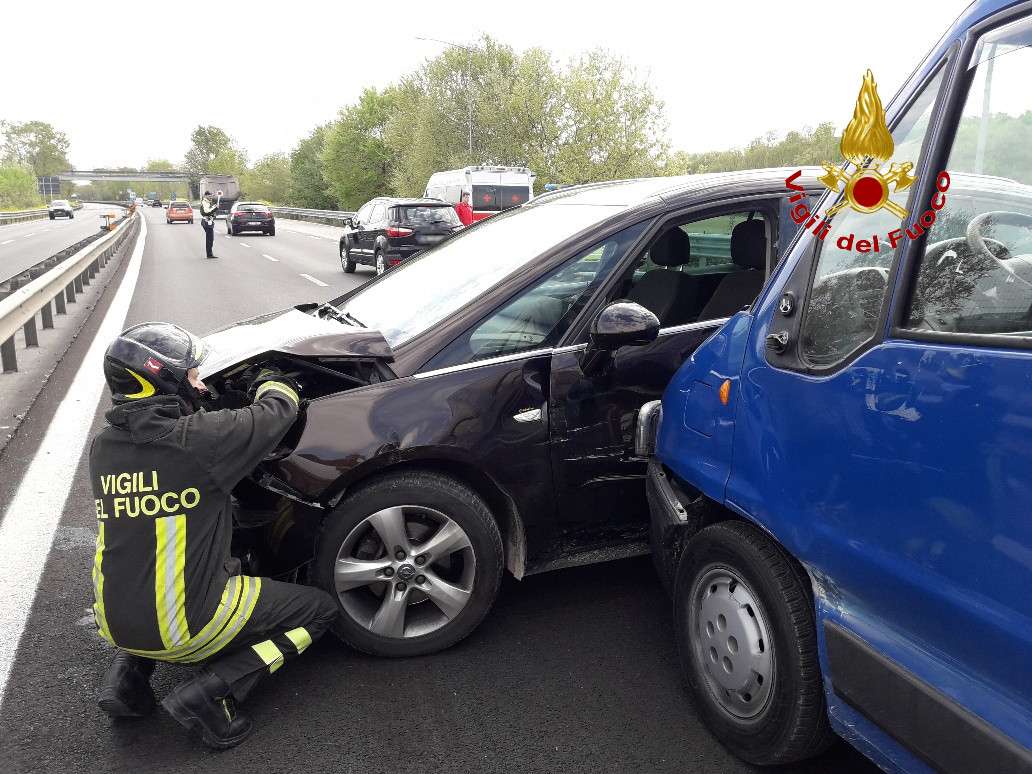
<point>205,703</point>
<point>126,691</point>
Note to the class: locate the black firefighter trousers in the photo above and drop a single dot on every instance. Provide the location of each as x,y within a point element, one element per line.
<point>286,619</point>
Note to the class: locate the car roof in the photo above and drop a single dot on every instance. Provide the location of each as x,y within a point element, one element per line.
<point>417,202</point>
<point>630,193</point>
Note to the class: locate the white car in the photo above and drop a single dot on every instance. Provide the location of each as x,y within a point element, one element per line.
<point>60,207</point>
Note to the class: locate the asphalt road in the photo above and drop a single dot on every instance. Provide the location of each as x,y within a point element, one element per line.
<point>572,671</point>
<point>25,244</point>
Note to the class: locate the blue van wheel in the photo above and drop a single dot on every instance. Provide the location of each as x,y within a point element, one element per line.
<point>747,643</point>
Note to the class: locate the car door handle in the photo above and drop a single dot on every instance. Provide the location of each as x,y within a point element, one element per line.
<point>528,415</point>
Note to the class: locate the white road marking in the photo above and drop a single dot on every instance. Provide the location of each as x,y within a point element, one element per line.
<point>270,257</point>
<point>314,237</point>
<point>32,234</point>
<point>307,277</point>
<point>243,245</point>
<point>6,242</point>
<point>28,526</point>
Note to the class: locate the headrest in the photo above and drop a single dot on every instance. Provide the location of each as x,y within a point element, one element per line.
<point>749,245</point>
<point>673,249</point>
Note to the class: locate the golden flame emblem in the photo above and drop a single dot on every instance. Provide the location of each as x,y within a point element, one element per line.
<point>867,143</point>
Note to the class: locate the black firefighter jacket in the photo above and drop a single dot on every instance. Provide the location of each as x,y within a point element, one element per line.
<point>164,582</point>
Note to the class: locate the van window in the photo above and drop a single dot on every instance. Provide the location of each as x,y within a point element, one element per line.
<point>485,198</point>
<point>975,274</point>
<point>849,286</point>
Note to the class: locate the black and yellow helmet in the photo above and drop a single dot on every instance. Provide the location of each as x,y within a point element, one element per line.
<point>152,358</point>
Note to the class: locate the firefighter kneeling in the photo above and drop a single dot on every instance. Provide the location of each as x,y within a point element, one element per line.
<point>165,583</point>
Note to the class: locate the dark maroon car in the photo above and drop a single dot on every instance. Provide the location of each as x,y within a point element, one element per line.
<point>475,409</point>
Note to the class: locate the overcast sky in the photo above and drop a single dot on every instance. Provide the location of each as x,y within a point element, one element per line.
<point>129,82</point>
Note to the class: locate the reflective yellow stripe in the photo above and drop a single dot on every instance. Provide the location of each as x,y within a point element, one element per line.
<point>301,638</point>
<point>270,654</point>
<point>237,604</point>
<point>98,585</point>
<point>182,629</point>
<point>146,388</point>
<point>169,584</point>
<point>280,387</point>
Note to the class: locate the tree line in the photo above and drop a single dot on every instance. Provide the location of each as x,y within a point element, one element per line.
<point>589,119</point>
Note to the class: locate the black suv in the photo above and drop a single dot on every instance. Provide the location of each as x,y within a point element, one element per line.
<point>384,231</point>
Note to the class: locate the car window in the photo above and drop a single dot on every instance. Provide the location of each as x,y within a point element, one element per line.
<point>433,285</point>
<point>60,202</point>
<point>254,208</point>
<point>362,216</point>
<point>427,215</point>
<point>378,213</point>
<point>540,316</point>
<point>850,284</point>
<point>975,274</point>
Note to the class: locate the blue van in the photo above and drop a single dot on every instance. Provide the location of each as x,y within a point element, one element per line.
<point>841,486</point>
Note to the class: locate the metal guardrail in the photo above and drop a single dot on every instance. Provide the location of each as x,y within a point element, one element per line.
<point>58,285</point>
<point>329,217</point>
<point>16,217</point>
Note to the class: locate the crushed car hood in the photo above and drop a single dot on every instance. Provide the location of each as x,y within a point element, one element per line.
<point>292,332</point>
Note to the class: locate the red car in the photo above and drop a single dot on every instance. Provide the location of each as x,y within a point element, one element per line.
<point>179,211</point>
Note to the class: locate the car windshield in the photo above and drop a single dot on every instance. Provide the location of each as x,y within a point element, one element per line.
<point>177,206</point>
<point>253,207</point>
<point>59,203</point>
<point>434,284</point>
<point>419,215</point>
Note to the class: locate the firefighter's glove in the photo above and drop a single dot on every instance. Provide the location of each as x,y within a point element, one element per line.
<point>233,399</point>
<point>267,375</point>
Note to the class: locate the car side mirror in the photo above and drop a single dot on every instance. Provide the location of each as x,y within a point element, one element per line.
<point>349,222</point>
<point>620,324</point>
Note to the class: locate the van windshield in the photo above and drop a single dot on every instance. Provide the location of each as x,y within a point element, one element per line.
<point>425,290</point>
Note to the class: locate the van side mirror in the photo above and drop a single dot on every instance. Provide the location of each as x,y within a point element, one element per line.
<point>620,324</point>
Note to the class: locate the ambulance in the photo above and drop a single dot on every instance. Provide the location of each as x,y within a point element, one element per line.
<point>492,189</point>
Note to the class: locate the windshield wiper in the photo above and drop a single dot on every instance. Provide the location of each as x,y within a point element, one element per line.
<point>350,318</point>
<point>329,310</point>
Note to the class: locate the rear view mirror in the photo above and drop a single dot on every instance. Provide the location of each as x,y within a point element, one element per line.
<point>621,324</point>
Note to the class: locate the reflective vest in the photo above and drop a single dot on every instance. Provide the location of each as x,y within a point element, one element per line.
<point>165,583</point>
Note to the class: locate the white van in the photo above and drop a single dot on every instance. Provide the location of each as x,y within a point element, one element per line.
<point>492,189</point>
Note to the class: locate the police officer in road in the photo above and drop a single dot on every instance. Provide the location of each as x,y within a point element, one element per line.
<point>165,584</point>
<point>208,209</point>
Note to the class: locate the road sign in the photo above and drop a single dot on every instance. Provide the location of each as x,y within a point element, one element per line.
<point>49,186</point>
<point>173,197</point>
<point>218,193</point>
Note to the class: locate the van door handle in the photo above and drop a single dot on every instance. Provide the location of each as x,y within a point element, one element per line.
<point>777,342</point>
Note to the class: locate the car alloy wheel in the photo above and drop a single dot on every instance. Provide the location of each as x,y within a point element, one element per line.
<point>346,261</point>
<point>414,560</point>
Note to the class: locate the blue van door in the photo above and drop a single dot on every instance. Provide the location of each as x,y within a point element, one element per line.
<point>896,425</point>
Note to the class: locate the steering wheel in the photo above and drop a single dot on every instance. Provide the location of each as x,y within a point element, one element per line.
<point>978,243</point>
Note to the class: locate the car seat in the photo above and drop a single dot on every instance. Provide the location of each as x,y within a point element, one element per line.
<point>740,288</point>
<point>670,295</point>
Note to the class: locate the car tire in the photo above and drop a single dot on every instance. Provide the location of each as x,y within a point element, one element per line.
<point>190,222</point>
<point>380,262</point>
<point>228,229</point>
<point>346,261</point>
<point>412,508</point>
<point>168,220</point>
<point>271,231</point>
<point>71,215</point>
<point>52,216</point>
<point>747,642</point>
